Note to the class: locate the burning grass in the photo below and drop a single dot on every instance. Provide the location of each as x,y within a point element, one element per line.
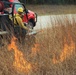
<point>51,52</point>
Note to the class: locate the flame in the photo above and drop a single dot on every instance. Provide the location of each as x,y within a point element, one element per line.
<point>54,59</point>
<point>35,49</point>
<point>35,56</point>
<point>66,52</point>
<point>19,63</point>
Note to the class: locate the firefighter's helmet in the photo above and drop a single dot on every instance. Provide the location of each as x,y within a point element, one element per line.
<point>20,9</point>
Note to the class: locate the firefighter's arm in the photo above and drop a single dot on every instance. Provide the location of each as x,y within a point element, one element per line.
<point>21,24</point>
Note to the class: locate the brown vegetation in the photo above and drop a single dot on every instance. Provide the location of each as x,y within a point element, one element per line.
<point>53,53</point>
<point>52,9</point>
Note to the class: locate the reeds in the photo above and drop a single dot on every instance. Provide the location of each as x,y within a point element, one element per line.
<point>45,52</point>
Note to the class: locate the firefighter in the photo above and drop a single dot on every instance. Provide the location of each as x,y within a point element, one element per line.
<point>18,19</point>
<point>19,27</point>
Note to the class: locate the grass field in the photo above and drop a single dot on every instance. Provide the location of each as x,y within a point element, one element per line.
<point>53,52</point>
<point>52,9</point>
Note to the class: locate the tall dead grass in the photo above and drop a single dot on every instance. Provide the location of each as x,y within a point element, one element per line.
<point>52,9</point>
<point>50,42</point>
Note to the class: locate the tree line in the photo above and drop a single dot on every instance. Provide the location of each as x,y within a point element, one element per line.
<point>49,1</point>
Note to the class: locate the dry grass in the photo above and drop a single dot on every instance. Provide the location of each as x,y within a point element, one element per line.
<point>49,42</point>
<point>52,9</point>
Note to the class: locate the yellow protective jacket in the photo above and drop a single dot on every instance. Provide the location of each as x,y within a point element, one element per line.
<point>18,21</point>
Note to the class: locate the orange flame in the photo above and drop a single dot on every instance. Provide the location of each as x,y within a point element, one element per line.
<point>20,63</point>
<point>66,52</point>
<point>35,49</point>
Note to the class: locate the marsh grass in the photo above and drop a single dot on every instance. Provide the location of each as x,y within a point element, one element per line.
<point>52,9</point>
<point>50,42</point>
